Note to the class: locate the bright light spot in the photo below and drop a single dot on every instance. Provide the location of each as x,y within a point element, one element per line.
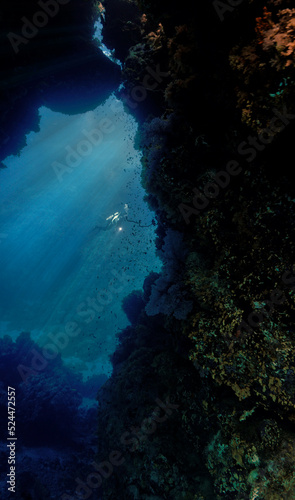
<point>120,228</point>
<point>98,37</point>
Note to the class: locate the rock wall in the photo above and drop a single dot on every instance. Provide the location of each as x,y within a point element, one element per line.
<point>48,58</point>
<point>216,134</point>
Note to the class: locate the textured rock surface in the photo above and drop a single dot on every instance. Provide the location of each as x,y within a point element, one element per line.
<point>213,88</point>
<point>225,107</point>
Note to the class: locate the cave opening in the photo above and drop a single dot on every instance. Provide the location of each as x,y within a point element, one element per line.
<point>77,234</point>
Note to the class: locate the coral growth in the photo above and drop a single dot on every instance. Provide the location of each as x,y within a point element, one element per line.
<point>228,272</point>
<point>265,66</point>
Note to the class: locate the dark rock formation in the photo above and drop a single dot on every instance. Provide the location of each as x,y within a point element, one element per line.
<point>122,26</point>
<point>48,59</point>
<point>216,134</point>
<point>213,88</point>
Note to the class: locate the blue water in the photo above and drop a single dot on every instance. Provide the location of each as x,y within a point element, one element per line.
<point>58,264</point>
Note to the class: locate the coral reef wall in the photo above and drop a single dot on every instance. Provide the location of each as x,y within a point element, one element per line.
<point>216,331</point>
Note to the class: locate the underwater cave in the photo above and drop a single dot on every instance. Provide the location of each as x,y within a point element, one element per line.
<point>146,302</point>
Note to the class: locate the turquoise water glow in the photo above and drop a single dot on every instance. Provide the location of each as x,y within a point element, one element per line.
<point>67,252</point>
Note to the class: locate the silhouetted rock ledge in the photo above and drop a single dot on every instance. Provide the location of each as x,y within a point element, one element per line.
<point>48,58</point>
<point>214,332</point>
